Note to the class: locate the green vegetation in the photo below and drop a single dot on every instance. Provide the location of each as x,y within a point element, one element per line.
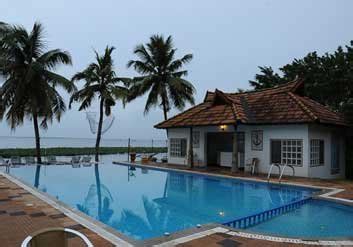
<point>328,78</point>
<point>161,76</point>
<point>69,151</point>
<point>30,83</point>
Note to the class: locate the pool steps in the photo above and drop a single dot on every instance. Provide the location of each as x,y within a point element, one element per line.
<point>254,219</point>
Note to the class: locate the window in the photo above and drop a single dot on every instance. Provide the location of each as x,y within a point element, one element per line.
<point>317,150</point>
<point>177,147</point>
<point>287,151</point>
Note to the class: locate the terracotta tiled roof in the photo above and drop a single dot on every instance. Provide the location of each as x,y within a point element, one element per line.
<point>283,104</point>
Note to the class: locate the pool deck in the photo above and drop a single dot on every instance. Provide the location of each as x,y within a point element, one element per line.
<point>22,213</point>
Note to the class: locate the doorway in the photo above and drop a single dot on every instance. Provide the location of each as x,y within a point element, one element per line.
<point>218,143</point>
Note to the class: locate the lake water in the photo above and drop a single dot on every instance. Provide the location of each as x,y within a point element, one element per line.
<point>46,142</point>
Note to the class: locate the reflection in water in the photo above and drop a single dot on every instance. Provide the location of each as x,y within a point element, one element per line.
<point>131,172</point>
<point>36,178</point>
<point>155,224</point>
<point>93,204</point>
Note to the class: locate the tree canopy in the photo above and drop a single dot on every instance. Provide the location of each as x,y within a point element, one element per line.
<point>30,82</point>
<point>328,78</point>
<point>101,82</point>
<point>161,75</point>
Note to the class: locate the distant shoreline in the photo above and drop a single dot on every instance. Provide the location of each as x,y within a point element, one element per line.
<point>70,151</point>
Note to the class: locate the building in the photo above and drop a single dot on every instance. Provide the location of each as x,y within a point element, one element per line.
<point>276,125</point>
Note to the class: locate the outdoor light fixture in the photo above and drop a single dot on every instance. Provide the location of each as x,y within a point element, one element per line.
<point>223,127</point>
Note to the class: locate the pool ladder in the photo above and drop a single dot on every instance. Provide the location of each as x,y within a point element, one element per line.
<point>281,169</point>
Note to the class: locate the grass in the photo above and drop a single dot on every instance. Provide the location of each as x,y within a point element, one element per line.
<point>69,151</point>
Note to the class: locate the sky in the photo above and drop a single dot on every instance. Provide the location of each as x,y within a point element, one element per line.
<point>229,40</point>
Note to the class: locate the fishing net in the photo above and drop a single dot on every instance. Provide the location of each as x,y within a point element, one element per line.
<point>93,123</point>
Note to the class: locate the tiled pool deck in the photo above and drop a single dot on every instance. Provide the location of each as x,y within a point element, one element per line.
<point>22,213</point>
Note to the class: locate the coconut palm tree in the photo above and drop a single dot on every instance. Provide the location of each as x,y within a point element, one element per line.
<point>30,83</point>
<point>101,81</point>
<point>161,75</point>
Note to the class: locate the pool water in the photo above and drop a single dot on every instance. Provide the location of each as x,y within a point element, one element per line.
<point>316,219</point>
<point>145,203</point>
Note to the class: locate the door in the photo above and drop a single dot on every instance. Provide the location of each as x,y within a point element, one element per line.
<point>216,143</point>
<point>223,142</point>
<point>241,148</point>
<point>335,155</point>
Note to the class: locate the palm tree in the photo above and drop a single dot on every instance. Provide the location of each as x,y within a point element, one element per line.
<point>161,75</point>
<point>30,86</point>
<point>100,80</point>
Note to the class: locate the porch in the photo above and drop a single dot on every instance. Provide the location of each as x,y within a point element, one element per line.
<point>207,146</point>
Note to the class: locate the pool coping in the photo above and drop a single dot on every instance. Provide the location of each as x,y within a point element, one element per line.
<point>120,239</point>
<point>103,230</point>
<point>233,232</point>
<point>325,193</point>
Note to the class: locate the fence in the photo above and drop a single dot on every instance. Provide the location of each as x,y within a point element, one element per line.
<point>258,218</point>
<point>25,146</point>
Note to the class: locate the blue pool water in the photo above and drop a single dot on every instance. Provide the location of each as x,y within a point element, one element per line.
<point>316,219</point>
<point>146,203</point>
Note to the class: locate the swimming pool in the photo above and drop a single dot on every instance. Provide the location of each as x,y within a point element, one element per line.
<point>315,219</point>
<point>146,203</point>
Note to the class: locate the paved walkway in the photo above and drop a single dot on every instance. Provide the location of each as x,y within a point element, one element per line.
<point>21,214</point>
<point>225,240</point>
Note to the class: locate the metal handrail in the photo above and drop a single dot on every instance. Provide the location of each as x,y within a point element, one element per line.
<point>284,167</point>
<point>270,171</point>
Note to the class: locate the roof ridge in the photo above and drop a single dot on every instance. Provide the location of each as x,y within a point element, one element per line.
<point>295,81</point>
<point>156,126</point>
<point>230,102</point>
<point>303,106</point>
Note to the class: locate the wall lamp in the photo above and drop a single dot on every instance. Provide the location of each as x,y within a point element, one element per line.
<point>223,127</point>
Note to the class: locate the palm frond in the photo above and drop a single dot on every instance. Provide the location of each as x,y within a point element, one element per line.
<point>161,75</point>
<point>53,58</point>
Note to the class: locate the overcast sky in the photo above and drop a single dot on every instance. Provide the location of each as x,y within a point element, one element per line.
<point>228,39</point>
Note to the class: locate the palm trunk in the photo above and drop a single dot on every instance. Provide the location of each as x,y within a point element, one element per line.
<point>99,131</point>
<point>164,110</point>
<point>36,134</point>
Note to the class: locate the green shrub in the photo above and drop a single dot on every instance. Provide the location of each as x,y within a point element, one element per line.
<point>69,151</point>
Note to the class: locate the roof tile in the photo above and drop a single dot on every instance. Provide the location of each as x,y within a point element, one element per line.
<point>278,105</point>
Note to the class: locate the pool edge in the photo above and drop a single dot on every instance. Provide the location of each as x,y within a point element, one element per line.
<point>325,193</point>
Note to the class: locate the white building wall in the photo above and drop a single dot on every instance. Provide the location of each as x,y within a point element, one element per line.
<point>291,131</point>
<point>277,132</point>
<point>326,134</point>
<point>178,133</point>
<point>201,150</point>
